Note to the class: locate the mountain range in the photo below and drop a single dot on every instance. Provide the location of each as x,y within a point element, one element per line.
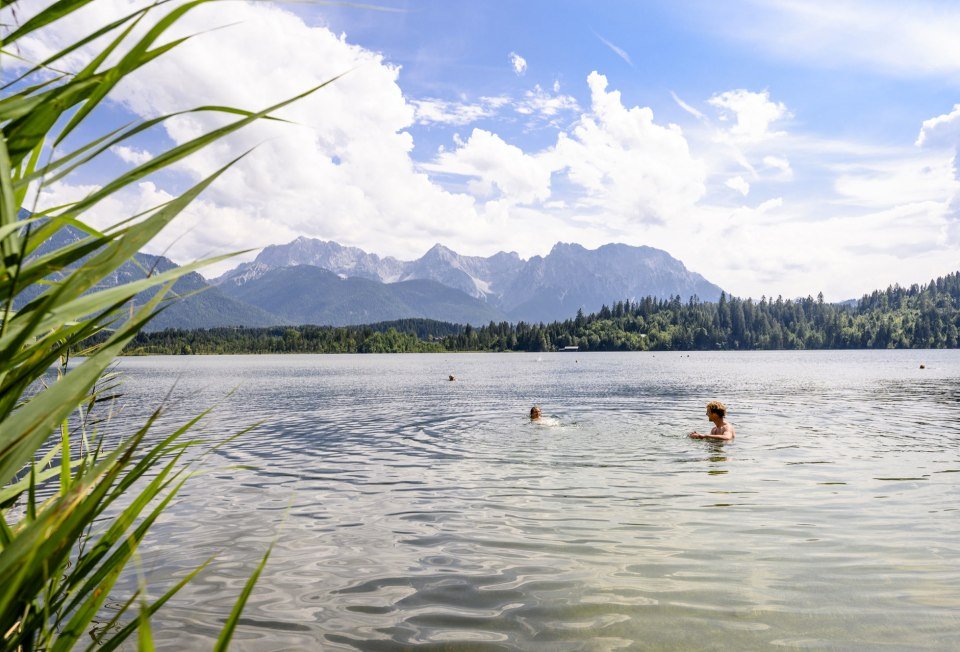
<point>312,281</point>
<point>200,305</point>
<point>503,286</point>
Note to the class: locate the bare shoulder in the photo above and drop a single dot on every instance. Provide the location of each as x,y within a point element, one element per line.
<point>728,429</point>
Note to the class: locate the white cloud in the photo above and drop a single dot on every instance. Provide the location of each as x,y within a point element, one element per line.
<point>889,37</point>
<point>626,165</point>
<point>770,204</point>
<point>686,107</point>
<point>620,52</point>
<point>739,184</point>
<point>540,103</point>
<point>753,112</point>
<point>519,63</point>
<point>536,104</point>
<point>430,111</point>
<point>343,171</point>
<point>521,178</point>
<point>780,164</point>
<point>941,130</point>
<point>882,184</point>
<point>131,154</point>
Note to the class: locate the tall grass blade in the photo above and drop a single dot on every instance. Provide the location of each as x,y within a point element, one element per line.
<point>151,609</point>
<point>226,634</point>
<point>87,509</point>
<point>54,12</point>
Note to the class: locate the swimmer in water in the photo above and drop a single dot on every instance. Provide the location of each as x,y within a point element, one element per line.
<point>721,431</point>
<point>534,413</point>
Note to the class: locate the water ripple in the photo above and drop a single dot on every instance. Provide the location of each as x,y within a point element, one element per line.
<point>410,511</point>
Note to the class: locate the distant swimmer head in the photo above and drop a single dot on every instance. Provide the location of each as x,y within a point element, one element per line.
<point>717,408</point>
<point>534,413</point>
<point>452,377</point>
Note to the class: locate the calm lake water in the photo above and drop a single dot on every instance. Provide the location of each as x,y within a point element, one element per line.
<point>410,511</point>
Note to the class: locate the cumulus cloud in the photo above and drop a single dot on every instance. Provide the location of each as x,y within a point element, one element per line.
<point>739,184</point>
<point>941,130</point>
<point>342,171</point>
<point>521,178</point>
<point>620,170</point>
<point>625,163</point>
<point>131,154</point>
<point>753,113</point>
<point>519,63</point>
<point>345,170</point>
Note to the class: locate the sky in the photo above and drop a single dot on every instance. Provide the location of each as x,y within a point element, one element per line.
<point>776,148</point>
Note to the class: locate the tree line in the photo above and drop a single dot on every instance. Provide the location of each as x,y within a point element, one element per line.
<point>919,316</point>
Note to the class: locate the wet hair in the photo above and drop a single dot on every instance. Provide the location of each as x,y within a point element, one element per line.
<point>717,408</point>
<point>534,412</point>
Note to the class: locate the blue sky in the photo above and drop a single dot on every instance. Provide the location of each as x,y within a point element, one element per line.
<point>778,147</point>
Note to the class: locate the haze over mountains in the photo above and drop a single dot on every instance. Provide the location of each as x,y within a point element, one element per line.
<point>502,286</point>
<point>202,306</point>
<point>316,282</point>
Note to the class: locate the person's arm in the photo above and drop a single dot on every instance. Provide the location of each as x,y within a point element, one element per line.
<point>696,435</point>
<point>726,434</point>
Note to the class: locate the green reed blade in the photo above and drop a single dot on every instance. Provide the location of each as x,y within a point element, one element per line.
<point>54,12</point>
<point>96,590</point>
<point>176,153</point>
<point>223,641</point>
<point>76,45</point>
<point>120,636</point>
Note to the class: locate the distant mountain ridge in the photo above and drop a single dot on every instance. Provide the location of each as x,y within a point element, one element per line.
<point>543,288</point>
<point>324,283</point>
<point>306,294</point>
<point>289,295</point>
<point>202,306</point>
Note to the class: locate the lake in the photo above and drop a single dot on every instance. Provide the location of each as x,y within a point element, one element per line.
<point>411,511</point>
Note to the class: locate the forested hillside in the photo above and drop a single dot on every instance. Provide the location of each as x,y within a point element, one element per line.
<point>920,316</point>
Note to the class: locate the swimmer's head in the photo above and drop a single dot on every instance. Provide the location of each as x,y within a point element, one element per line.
<point>718,408</point>
<point>534,412</point>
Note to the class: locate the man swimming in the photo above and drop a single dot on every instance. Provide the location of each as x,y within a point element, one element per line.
<point>534,413</point>
<point>722,431</point>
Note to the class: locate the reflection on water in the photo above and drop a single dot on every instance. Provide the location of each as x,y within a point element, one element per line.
<point>410,510</point>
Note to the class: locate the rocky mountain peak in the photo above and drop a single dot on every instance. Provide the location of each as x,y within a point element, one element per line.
<point>543,288</point>
<point>439,252</point>
<point>565,248</point>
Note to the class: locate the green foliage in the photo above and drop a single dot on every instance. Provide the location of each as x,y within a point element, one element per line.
<point>74,506</point>
<point>926,316</point>
<point>401,336</point>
